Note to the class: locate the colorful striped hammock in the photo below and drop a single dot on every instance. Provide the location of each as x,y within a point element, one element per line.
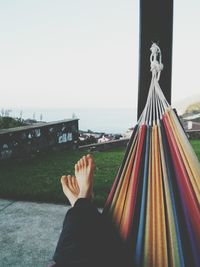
<point>154,201</point>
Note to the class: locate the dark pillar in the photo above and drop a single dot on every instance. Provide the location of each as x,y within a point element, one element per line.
<point>156,25</point>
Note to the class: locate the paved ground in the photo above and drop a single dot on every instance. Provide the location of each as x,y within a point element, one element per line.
<point>29,232</point>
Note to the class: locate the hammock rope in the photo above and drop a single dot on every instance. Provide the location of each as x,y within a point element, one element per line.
<point>155,199</point>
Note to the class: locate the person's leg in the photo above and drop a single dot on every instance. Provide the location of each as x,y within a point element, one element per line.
<point>87,238</point>
<point>78,243</point>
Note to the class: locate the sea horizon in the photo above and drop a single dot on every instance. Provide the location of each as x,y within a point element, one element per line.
<point>108,120</point>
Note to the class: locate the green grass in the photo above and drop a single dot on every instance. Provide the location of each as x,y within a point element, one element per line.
<point>196,146</point>
<point>38,179</point>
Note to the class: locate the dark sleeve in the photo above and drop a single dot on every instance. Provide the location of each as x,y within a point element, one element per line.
<point>88,239</point>
<point>116,252</point>
<point>77,245</point>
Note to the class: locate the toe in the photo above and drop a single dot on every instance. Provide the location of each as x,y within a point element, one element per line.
<point>89,157</point>
<point>79,165</point>
<point>69,181</point>
<point>63,179</point>
<point>90,160</point>
<point>84,159</point>
<point>76,168</point>
<point>82,162</point>
<point>75,184</point>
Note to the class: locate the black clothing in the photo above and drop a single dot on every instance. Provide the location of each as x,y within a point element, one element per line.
<point>87,240</point>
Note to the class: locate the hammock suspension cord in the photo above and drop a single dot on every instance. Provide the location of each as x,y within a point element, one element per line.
<point>155,200</point>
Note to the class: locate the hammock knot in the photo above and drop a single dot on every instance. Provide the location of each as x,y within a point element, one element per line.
<point>156,61</point>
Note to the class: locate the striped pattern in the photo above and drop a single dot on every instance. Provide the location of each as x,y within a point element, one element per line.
<point>154,201</point>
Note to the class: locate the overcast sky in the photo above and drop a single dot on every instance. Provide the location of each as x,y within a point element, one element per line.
<point>75,53</point>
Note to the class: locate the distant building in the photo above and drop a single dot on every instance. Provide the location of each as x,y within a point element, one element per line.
<point>128,133</point>
<point>88,137</point>
<point>89,133</point>
<point>24,141</point>
<point>30,121</point>
<point>191,117</point>
<point>103,139</point>
<point>191,126</point>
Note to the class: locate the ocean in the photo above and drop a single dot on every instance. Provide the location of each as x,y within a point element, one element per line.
<point>95,119</point>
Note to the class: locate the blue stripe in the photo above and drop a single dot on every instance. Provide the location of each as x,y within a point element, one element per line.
<point>140,236</point>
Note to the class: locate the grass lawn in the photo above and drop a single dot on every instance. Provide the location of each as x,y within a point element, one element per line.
<point>38,179</point>
<point>196,146</point>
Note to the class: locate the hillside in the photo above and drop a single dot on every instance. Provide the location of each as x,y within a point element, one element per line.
<point>193,108</point>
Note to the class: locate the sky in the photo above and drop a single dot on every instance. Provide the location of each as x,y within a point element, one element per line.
<point>75,53</point>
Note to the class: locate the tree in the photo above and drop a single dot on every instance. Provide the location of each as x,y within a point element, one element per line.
<point>2,112</point>
<point>7,112</point>
<point>8,122</point>
<point>21,114</point>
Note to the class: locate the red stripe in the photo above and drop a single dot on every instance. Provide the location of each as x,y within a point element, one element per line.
<point>133,186</point>
<point>183,180</point>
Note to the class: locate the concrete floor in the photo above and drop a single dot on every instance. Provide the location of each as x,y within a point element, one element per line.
<point>29,232</point>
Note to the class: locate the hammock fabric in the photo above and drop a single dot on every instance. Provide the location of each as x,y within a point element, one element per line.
<point>154,201</point>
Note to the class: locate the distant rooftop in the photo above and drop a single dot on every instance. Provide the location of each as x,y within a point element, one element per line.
<point>34,126</point>
<point>191,116</point>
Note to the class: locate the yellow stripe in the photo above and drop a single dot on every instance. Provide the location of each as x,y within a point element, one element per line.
<point>120,196</point>
<point>160,226</point>
<point>129,161</point>
<point>186,151</point>
<point>174,259</point>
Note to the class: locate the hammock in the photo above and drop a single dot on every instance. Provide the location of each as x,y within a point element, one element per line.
<point>154,201</point>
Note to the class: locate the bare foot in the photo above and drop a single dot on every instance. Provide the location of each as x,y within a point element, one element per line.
<point>84,170</point>
<point>70,188</point>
